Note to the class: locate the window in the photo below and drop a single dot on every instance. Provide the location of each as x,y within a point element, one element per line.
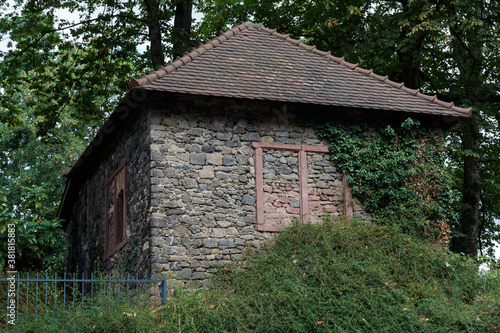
<point>115,212</point>
<point>302,185</point>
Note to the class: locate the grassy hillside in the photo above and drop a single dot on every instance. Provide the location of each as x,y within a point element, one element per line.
<point>326,277</point>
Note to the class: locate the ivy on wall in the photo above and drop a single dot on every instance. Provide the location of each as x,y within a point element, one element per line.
<point>397,173</point>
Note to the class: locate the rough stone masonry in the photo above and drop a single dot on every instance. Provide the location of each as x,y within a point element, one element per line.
<point>192,197</point>
<point>203,193</point>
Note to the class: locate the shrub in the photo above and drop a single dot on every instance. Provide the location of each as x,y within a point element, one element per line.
<point>339,275</point>
<point>345,277</point>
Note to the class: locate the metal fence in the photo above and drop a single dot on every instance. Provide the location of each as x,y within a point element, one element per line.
<point>33,294</point>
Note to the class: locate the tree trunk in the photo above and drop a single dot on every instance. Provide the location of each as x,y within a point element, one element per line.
<point>471,192</point>
<point>181,37</point>
<point>153,19</point>
<point>411,75</point>
<point>409,52</point>
<point>470,65</point>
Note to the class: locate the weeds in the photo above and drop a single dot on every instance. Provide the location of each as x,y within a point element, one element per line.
<point>102,317</point>
<point>338,276</point>
<point>344,277</point>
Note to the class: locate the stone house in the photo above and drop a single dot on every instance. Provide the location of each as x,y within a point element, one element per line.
<point>208,156</point>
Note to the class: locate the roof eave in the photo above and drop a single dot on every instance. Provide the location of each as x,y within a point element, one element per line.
<point>129,103</point>
<point>145,80</point>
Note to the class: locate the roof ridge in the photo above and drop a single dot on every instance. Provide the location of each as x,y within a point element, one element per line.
<point>188,56</point>
<point>236,29</point>
<point>370,73</point>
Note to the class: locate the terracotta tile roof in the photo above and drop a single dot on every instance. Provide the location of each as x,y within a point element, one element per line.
<point>253,62</point>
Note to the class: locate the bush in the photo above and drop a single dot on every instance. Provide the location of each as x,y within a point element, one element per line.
<point>340,276</point>
<point>104,316</point>
<point>344,277</point>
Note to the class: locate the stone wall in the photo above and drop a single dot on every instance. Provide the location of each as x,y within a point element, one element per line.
<point>281,187</point>
<point>203,197</point>
<point>191,186</point>
<point>324,188</point>
<point>86,226</point>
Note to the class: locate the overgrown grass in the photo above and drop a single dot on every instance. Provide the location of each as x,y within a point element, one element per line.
<point>335,276</point>
<point>104,316</point>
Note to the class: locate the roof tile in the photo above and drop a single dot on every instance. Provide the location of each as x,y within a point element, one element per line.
<point>254,62</point>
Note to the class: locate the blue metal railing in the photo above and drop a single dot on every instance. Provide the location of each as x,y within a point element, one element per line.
<point>74,289</point>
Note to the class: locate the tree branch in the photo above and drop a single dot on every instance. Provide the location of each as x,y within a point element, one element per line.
<point>43,33</point>
<point>488,160</point>
<point>130,17</point>
<point>403,2</point>
<point>135,34</point>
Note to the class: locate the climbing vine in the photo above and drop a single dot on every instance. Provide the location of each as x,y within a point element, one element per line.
<point>397,173</point>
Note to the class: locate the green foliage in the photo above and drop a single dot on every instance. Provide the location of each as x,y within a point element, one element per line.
<point>40,245</point>
<point>340,276</point>
<point>127,261</point>
<point>52,99</point>
<point>31,167</point>
<point>397,173</point>
<point>32,185</point>
<point>344,277</point>
<point>104,316</point>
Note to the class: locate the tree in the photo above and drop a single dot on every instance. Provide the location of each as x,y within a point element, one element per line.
<point>51,103</point>
<point>181,36</point>
<point>58,82</point>
<point>474,57</point>
<point>446,48</point>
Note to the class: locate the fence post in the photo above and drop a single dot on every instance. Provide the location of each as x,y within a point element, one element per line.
<point>163,290</point>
